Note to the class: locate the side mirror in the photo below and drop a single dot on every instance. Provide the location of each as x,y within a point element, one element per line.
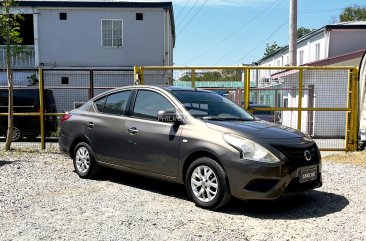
<point>169,116</point>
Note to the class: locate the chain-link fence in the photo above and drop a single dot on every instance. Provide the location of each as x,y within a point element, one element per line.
<point>319,101</point>
<point>63,90</point>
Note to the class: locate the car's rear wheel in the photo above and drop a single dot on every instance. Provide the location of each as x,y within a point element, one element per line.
<point>207,183</point>
<point>84,161</point>
<point>16,134</point>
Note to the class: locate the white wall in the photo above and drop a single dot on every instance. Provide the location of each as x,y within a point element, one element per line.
<point>77,40</point>
<point>346,41</point>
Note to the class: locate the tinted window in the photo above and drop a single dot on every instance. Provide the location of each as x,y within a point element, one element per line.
<point>116,103</point>
<point>21,97</point>
<point>149,103</point>
<point>210,105</point>
<point>100,104</point>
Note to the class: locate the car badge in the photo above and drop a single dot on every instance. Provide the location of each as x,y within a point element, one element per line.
<point>307,155</point>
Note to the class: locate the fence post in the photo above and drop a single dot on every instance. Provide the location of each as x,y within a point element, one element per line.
<point>91,84</point>
<point>41,107</point>
<point>246,88</point>
<point>136,75</point>
<point>142,76</point>
<point>354,119</point>
<point>299,108</point>
<point>193,78</point>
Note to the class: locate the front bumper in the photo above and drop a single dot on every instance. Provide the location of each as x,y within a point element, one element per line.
<point>262,181</point>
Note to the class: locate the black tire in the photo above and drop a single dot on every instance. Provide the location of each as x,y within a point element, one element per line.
<point>222,191</point>
<point>85,167</point>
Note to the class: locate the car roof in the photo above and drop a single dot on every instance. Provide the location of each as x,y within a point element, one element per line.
<point>177,88</point>
<point>162,87</point>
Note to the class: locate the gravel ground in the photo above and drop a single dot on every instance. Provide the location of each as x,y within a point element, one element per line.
<point>41,198</point>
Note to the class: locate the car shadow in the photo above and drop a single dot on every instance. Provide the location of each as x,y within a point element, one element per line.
<point>4,162</point>
<point>307,205</point>
<point>144,183</point>
<point>310,204</point>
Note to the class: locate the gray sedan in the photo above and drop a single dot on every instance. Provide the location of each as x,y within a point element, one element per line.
<point>193,137</point>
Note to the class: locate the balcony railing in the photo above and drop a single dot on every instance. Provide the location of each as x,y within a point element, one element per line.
<point>25,59</point>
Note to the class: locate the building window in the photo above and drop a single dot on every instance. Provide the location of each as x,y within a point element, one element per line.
<point>317,51</point>
<point>139,16</point>
<point>278,63</point>
<point>112,33</point>
<point>65,80</point>
<point>63,16</point>
<point>301,57</point>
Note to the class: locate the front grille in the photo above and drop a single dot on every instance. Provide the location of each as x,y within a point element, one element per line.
<point>296,154</point>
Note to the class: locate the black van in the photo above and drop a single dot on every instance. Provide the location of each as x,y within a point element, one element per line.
<point>27,100</point>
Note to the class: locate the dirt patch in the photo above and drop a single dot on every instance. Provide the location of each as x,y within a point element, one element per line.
<point>355,158</point>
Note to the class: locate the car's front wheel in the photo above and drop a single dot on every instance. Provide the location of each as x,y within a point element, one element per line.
<point>84,161</point>
<point>207,183</point>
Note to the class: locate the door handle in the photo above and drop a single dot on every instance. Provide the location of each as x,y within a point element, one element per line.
<point>132,130</point>
<point>90,124</point>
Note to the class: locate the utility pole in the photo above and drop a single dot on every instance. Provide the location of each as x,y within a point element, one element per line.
<point>293,34</point>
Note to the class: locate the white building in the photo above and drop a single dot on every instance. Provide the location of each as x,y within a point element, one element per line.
<point>76,36</point>
<point>326,42</point>
<point>333,45</point>
<point>96,33</point>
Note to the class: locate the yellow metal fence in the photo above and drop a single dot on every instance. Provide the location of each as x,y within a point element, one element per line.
<point>320,101</point>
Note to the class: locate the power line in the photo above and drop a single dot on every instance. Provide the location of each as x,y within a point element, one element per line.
<point>188,12</point>
<point>251,51</point>
<point>182,10</point>
<point>329,10</point>
<point>192,17</point>
<point>249,34</point>
<point>232,33</point>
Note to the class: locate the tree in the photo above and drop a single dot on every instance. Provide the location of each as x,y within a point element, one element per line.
<point>271,48</point>
<point>353,13</point>
<point>10,33</point>
<point>303,31</point>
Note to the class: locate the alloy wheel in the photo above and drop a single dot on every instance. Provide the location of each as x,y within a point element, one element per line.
<point>204,183</point>
<point>82,159</point>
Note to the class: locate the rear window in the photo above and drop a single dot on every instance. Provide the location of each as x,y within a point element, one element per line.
<point>114,104</point>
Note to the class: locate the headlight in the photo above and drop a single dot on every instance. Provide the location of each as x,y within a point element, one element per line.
<point>250,150</point>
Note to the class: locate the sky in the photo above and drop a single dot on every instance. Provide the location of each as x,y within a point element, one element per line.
<point>233,32</point>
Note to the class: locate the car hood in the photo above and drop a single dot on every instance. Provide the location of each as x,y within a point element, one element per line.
<point>255,129</point>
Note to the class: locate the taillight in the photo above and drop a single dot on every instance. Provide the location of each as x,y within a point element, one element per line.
<point>65,118</point>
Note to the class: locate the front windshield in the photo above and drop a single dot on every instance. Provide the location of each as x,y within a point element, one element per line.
<point>210,106</point>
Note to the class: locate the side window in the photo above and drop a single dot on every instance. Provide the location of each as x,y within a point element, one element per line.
<point>148,104</point>
<point>100,104</point>
<point>116,103</point>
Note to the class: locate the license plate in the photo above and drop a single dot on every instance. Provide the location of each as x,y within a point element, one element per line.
<point>308,175</point>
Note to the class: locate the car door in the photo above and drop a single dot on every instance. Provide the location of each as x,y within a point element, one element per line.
<point>152,145</point>
<point>105,127</point>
